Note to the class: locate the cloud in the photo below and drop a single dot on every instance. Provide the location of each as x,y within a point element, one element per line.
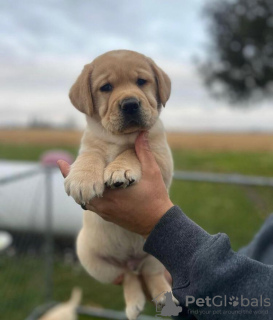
<point>97,26</point>
<point>44,46</point>
<point>223,118</point>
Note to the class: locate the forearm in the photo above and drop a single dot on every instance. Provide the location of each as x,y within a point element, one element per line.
<point>204,267</point>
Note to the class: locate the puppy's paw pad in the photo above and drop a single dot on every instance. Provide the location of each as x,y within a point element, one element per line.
<point>118,184</point>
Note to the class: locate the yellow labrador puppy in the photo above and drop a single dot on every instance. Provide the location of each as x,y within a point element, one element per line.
<point>66,310</point>
<point>121,92</point>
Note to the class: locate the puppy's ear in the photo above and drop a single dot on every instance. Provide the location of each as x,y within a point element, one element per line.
<point>80,93</point>
<point>163,82</point>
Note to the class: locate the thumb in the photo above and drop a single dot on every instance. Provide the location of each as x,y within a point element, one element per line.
<point>144,152</point>
<point>64,167</point>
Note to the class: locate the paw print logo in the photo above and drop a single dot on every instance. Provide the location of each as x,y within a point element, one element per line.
<point>234,301</point>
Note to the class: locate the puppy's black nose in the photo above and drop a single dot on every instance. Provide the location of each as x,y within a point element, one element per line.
<point>129,105</point>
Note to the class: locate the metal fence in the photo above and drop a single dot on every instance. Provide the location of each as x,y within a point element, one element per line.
<point>11,254</point>
<point>86,311</point>
<point>223,178</point>
<point>48,236</point>
<point>235,179</point>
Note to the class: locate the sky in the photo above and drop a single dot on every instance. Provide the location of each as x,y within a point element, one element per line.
<point>44,45</point>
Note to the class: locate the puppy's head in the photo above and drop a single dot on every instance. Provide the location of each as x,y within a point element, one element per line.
<point>123,90</point>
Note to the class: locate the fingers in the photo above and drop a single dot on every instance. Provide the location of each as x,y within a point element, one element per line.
<point>64,167</point>
<point>144,153</point>
<point>99,203</point>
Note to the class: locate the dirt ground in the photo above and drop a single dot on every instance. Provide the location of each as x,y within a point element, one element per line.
<point>181,140</point>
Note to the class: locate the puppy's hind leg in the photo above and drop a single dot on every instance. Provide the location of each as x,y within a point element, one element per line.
<point>153,275</point>
<point>99,267</point>
<point>134,295</point>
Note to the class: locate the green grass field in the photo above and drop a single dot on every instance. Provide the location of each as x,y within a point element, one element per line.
<point>238,211</point>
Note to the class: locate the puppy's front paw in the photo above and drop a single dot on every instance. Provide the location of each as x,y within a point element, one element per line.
<point>117,177</point>
<point>83,186</point>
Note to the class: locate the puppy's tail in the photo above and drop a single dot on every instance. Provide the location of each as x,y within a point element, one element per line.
<point>76,297</point>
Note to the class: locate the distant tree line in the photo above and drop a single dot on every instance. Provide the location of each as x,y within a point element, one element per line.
<point>35,122</point>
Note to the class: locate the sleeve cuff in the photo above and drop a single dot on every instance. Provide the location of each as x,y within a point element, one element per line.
<point>175,241</point>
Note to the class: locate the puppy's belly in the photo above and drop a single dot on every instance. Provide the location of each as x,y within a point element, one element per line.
<point>106,235</point>
<point>105,248</point>
<point>131,263</point>
<point>122,248</point>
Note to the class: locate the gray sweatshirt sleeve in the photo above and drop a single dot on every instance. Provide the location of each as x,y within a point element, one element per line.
<point>209,279</point>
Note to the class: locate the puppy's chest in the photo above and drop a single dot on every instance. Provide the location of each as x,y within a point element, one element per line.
<point>113,151</point>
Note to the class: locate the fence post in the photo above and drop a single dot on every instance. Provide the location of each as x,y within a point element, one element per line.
<point>49,161</point>
<point>49,243</point>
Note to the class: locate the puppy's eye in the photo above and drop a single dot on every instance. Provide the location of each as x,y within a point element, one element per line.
<point>106,88</point>
<point>141,82</point>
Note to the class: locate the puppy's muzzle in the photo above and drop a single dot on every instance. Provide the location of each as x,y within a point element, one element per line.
<point>130,106</point>
<point>131,113</point>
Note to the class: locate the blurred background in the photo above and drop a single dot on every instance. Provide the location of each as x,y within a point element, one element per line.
<point>219,56</point>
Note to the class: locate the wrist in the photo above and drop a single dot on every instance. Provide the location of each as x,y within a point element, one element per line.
<point>158,213</point>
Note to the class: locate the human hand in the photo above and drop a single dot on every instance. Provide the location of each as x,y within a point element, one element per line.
<point>139,207</point>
